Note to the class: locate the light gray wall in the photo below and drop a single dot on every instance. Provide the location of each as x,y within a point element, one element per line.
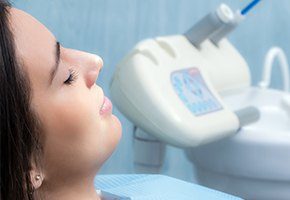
<point>110,28</point>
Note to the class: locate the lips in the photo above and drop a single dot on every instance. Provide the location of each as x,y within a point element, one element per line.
<point>107,107</point>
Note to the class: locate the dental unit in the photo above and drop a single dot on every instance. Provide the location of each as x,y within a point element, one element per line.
<point>194,91</point>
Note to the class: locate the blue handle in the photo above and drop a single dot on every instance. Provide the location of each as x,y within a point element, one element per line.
<point>249,7</point>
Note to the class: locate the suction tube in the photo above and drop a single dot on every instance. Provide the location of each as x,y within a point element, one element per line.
<point>209,24</point>
<point>218,35</point>
<point>227,28</point>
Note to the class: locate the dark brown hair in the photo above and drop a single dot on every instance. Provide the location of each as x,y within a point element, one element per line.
<point>19,127</point>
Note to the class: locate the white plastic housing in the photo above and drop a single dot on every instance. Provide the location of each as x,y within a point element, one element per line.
<point>142,90</point>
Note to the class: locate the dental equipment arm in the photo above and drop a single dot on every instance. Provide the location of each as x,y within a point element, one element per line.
<point>209,24</point>
<point>170,86</point>
<point>217,25</point>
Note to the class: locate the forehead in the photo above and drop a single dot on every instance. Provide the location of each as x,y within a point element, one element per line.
<point>34,44</point>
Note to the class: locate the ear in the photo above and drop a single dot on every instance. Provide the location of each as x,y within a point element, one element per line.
<point>36,178</point>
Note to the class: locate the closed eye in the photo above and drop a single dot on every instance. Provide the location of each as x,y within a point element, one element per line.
<point>73,75</point>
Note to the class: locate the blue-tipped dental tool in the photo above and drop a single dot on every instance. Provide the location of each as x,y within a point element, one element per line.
<point>250,6</point>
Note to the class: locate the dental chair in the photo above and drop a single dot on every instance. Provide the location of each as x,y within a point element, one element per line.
<point>153,187</point>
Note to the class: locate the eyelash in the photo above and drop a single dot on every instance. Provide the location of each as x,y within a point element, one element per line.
<point>73,75</point>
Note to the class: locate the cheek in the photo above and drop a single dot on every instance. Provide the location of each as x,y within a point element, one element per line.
<point>72,111</point>
<point>73,122</point>
<point>74,116</point>
<point>76,133</point>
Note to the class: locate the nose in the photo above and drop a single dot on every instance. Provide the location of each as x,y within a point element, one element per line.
<point>93,65</point>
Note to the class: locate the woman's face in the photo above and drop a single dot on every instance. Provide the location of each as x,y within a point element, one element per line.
<point>79,132</point>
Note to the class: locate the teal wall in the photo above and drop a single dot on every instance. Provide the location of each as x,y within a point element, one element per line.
<point>110,28</point>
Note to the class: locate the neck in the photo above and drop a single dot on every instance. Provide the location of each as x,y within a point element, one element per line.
<point>70,190</point>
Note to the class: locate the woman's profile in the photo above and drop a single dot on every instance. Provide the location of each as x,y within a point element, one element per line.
<point>57,127</point>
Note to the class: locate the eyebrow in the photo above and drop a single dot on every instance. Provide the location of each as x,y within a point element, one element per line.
<point>57,59</point>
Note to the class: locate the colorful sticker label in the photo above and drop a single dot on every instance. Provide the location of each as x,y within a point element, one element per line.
<point>191,88</point>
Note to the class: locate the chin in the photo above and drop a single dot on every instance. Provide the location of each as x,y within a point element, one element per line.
<point>114,136</point>
<point>117,128</point>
